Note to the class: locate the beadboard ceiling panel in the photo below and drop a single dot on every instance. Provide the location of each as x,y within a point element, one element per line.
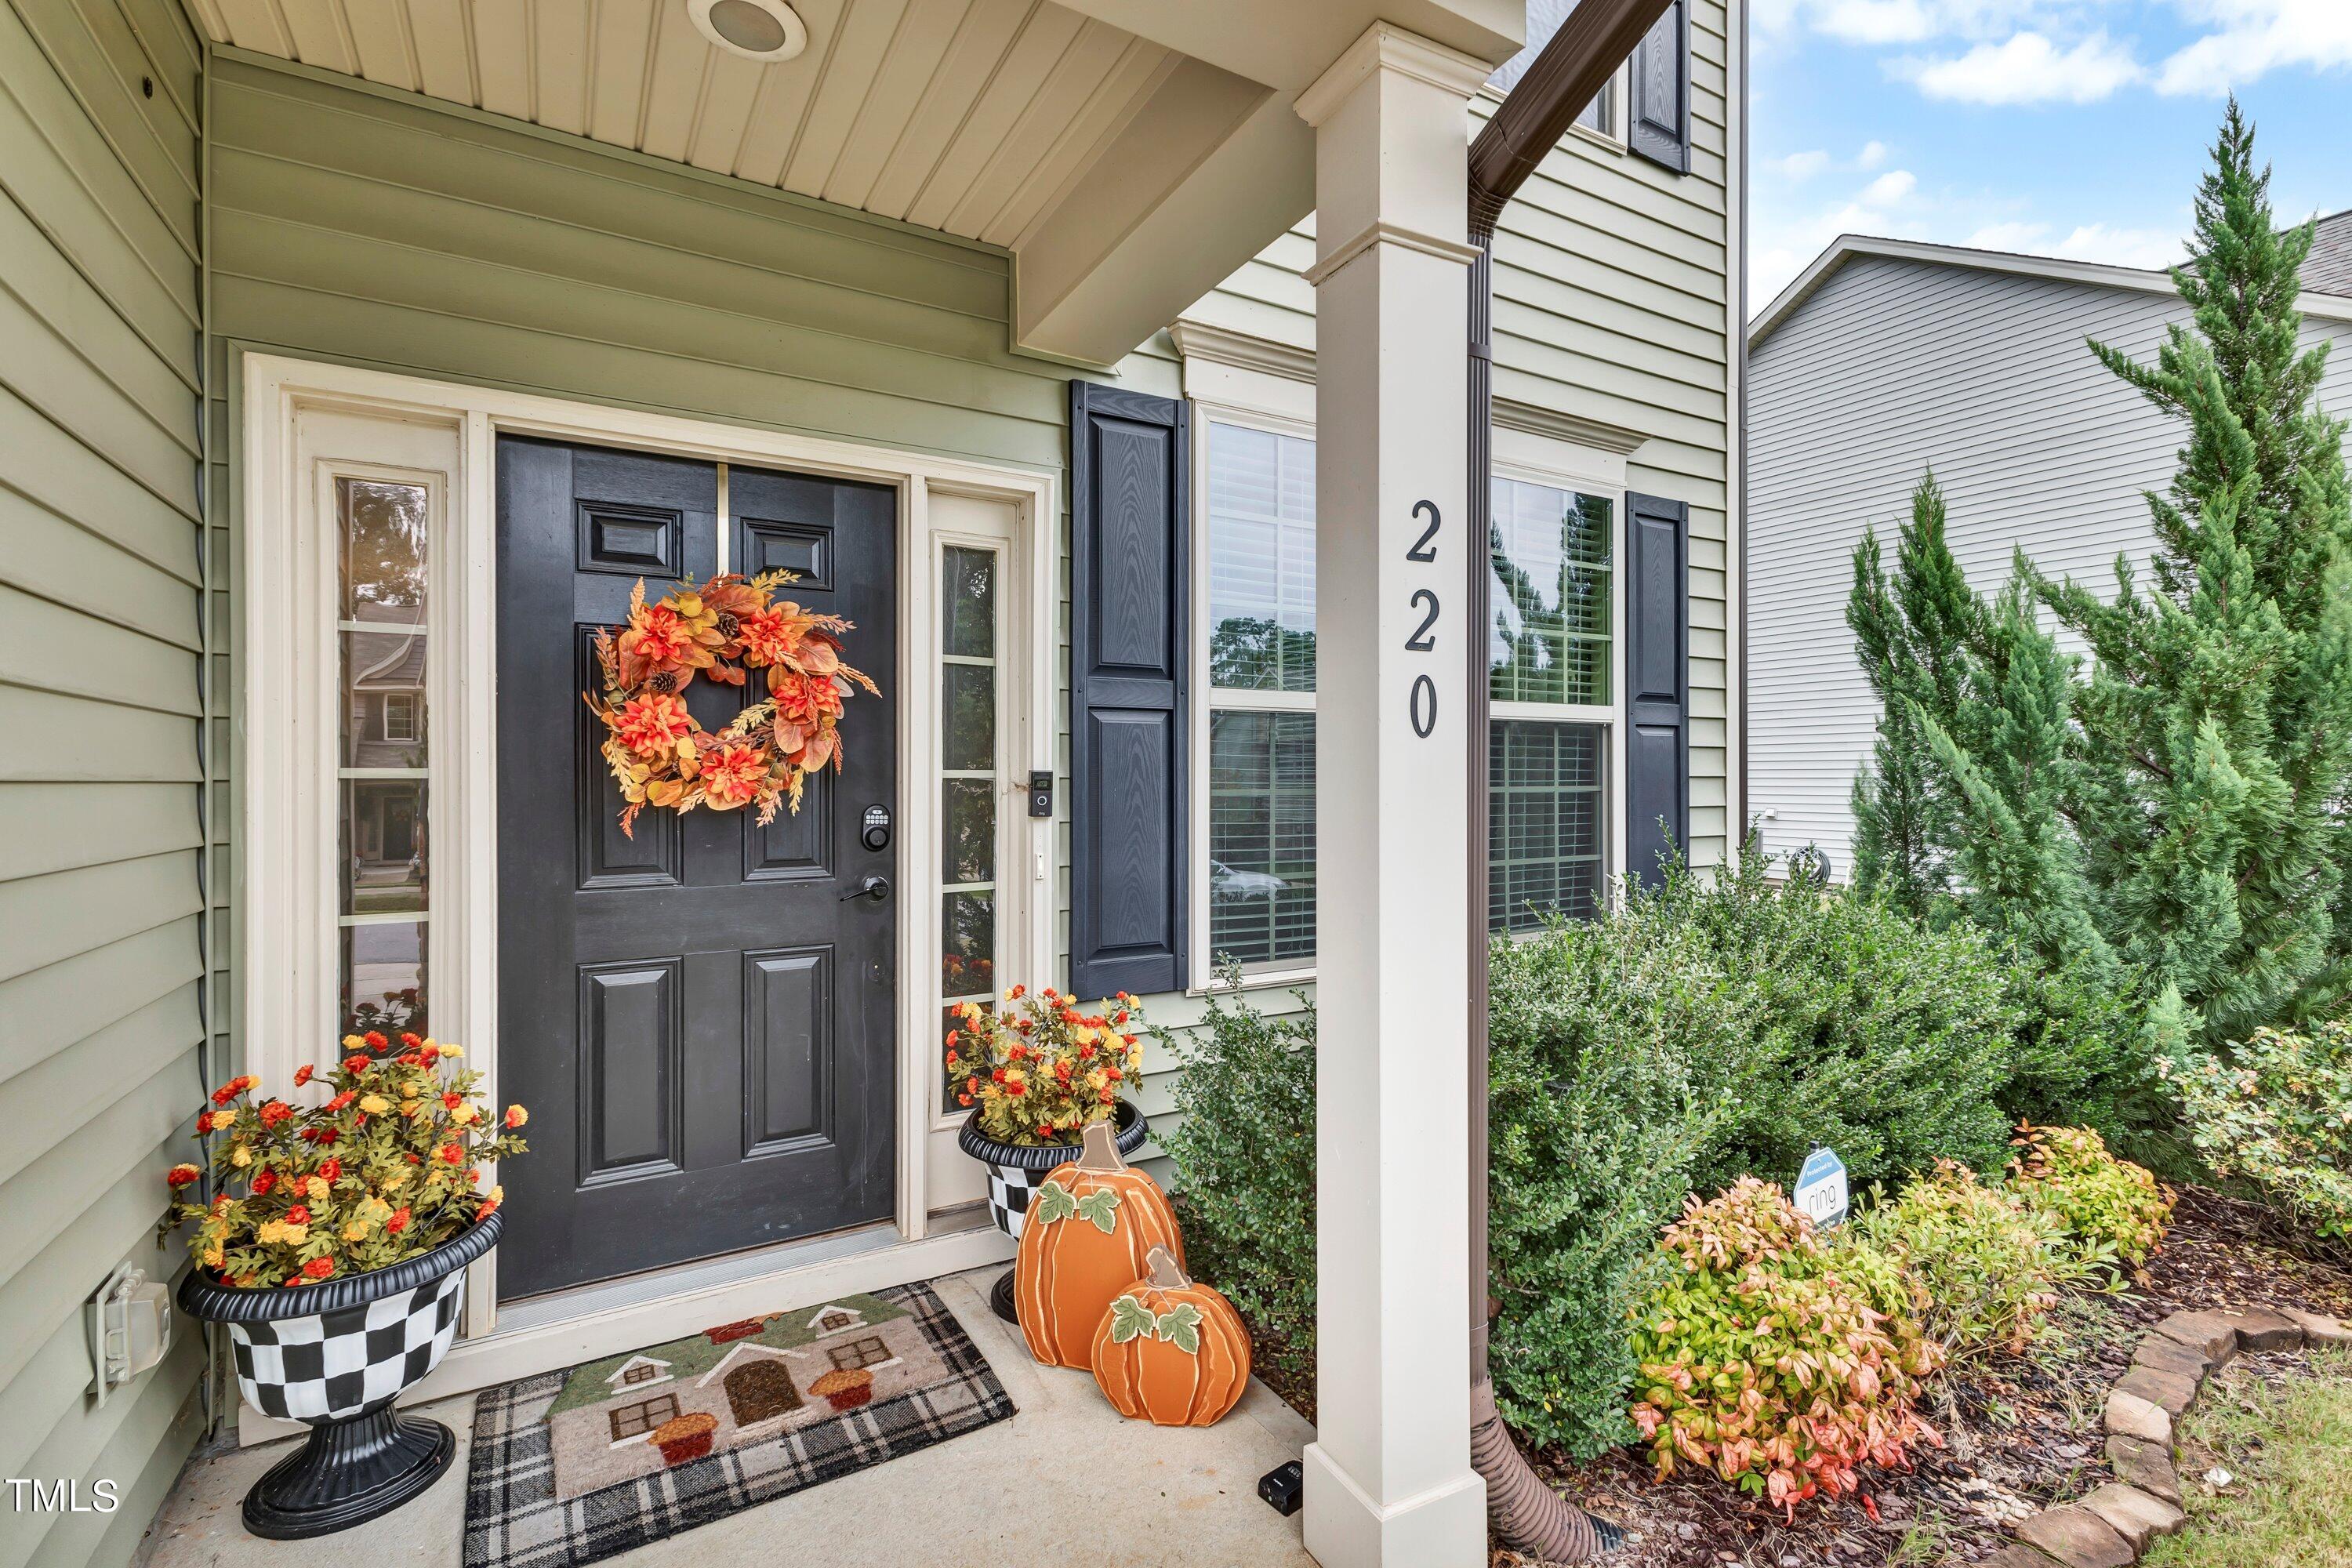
<point>942,112</point>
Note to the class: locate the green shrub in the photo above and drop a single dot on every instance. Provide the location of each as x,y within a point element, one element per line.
<point>1770,1358</point>
<point>1986,1263</point>
<point>1243,1153</point>
<point>1594,1123</point>
<point>1867,1031</point>
<point>2278,1116</point>
<point>2080,1055</point>
<point>2114,1211</point>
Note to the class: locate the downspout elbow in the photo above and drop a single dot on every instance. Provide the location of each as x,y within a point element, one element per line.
<point>1522,1513</point>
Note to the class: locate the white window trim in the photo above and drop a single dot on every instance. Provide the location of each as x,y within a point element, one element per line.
<point>1620,91</point>
<point>288,847</point>
<point>408,730</point>
<point>1271,404</point>
<point>1621,103</point>
<point>1023,857</point>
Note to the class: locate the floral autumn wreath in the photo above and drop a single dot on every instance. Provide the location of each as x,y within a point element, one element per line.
<point>658,753</point>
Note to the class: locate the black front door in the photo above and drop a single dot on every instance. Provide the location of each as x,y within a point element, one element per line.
<point>699,1017</point>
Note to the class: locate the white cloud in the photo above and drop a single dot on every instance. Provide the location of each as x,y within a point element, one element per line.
<point>2013,234</point>
<point>1814,161</point>
<point>2254,37</point>
<point>2146,248</point>
<point>1884,22</point>
<point>2027,68</point>
<point>1784,242</point>
<point>1890,189</point>
<point>1875,21</point>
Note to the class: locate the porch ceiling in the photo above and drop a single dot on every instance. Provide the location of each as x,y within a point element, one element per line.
<point>1131,155</point>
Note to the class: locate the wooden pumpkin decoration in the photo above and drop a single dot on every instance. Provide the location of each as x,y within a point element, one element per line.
<point>1172,1350</point>
<point>1090,1228</point>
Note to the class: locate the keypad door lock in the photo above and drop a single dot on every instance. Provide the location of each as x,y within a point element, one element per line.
<point>875,833</point>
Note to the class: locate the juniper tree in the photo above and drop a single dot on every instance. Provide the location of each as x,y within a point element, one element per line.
<point>1964,806</point>
<point>1910,633</point>
<point>2214,737</point>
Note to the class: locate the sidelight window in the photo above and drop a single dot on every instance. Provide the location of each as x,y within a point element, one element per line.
<point>970,783</point>
<point>382,528</point>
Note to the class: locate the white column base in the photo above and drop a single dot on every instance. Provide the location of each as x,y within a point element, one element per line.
<point>1346,1528</point>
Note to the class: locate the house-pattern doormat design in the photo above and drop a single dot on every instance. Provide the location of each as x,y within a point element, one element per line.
<point>572,1467</point>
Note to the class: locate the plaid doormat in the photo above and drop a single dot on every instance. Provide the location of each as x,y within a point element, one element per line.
<point>576,1466</point>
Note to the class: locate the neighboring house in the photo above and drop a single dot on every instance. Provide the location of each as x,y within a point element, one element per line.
<point>365,352</point>
<point>1889,357</point>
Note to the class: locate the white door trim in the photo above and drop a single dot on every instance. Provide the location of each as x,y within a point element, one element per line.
<point>286,775</point>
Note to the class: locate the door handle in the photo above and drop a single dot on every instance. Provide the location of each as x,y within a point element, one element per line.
<point>873,885</point>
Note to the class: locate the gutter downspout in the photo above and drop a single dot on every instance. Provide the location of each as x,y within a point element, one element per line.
<point>1524,1513</point>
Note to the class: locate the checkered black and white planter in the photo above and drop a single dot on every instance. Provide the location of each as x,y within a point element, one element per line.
<point>1015,1172</point>
<point>334,1355</point>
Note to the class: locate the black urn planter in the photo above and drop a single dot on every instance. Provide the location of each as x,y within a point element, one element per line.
<point>334,1355</point>
<point>1017,1170</point>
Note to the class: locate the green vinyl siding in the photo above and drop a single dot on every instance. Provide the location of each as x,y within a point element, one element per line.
<point>360,224</point>
<point>101,1009</point>
<point>1615,285</point>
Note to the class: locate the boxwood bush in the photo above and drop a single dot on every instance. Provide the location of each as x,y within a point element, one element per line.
<point>1245,1157</point>
<point>1865,1031</point>
<point>1594,1120</point>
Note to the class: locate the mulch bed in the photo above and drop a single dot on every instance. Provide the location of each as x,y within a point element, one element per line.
<point>2020,1433</point>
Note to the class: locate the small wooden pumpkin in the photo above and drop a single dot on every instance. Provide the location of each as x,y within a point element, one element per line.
<point>1090,1228</point>
<point>1172,1350</point>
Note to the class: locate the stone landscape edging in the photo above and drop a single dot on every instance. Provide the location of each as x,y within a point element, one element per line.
<point>2111,1526</point>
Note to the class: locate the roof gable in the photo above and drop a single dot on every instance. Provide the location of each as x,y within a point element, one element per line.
<point>2317,302</point>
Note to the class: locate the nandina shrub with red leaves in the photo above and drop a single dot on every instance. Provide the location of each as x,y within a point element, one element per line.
<point>1779,1363</point>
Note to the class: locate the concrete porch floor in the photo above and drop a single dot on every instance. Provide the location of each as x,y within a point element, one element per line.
<point>1065,1480</point>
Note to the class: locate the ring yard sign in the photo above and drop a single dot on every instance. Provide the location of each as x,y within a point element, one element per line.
<point>1820,1188</point>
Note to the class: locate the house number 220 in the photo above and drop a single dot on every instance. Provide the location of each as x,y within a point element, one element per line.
<point>1422,705</point>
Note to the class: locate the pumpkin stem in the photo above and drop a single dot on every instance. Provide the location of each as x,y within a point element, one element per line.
<point>1102,1149</point>
<point>1164,1275</point>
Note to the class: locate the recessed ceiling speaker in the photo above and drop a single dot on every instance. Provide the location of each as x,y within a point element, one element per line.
<point>763,30</point>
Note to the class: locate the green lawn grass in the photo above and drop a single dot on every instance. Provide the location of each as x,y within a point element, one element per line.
<point>2290,1447</point>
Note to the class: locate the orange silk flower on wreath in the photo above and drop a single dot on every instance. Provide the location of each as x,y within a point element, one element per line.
<point>660,756</point>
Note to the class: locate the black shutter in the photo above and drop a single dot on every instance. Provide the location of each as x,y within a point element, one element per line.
<point>1658,127</point>
<point>1129,649</point>
<point>1657,684</point>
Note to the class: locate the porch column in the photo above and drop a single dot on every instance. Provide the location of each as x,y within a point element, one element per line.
<point>1388,1479</point>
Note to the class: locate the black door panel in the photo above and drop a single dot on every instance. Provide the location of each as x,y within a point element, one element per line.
<point>701,1025</point>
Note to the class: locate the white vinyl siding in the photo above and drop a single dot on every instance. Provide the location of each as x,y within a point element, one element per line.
<point>1891,366</point>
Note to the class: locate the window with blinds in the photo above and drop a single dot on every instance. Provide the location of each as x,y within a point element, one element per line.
<point>1551,657</point>
<point>1261,663</point>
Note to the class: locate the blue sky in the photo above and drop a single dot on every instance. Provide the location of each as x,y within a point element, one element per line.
<point>2059,127</point>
